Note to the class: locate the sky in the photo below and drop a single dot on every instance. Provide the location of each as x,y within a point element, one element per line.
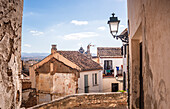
<point>70,24</point>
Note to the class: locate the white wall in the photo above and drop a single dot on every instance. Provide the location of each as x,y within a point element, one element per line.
<point>107,81</point>
<point>124,58</point>
<point>107,84</point>
<point>125,65</point>
<point>96,88</point>
<point>115,61</point>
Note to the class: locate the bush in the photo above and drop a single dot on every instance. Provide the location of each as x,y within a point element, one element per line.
<point>121,91</point>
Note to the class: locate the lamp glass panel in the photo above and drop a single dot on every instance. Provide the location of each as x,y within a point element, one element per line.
<point>114,26</point>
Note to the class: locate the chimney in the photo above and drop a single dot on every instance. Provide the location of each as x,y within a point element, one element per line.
<point>53,49</point>
<point>88,51</point>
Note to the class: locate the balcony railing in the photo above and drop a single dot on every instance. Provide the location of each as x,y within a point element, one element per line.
<point>110,73</point>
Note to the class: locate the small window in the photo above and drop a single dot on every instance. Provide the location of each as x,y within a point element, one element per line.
<point>107,64</point>
<point>94,79</point>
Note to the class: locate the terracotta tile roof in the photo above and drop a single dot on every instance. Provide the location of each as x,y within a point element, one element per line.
<point>109,52</point>
<point>81,60</point>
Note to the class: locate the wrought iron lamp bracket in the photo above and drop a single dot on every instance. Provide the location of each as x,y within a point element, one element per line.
<point>123,38</point>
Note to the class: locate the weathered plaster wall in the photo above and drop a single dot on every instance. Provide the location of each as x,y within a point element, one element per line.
<point>55,86</point>
<point>64,84</point>
<point>87,101</point>
<point>151,19</point>
<point>32,76</point>
<point>45,83</point>
<point>50,87</point>
<point>55,79</point>
<point>57,56</point>
<point>10,53</point>
<point>135,75</point>
<point>135,14</point>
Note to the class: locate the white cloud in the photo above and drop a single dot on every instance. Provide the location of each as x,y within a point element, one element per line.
<point>102,28</point>
<point>27,45</point>
<point>122,26</point>
<point>79,22</point>
<point>51,30</point>
<point>36,33</point>
<point>30,14</point>
<point>78,36</point>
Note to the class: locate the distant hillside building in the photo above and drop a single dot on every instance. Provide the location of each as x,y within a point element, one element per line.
<point>64,73</point>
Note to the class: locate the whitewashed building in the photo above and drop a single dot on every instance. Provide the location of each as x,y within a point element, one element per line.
<point>111,60</point>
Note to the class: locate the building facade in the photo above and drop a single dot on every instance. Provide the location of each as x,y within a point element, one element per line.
<point>149,25</point>
<point>125,52</point>
<point>64,73</point>
<point>111,60</point>
<point>90,74</point>
<point>90,81</point>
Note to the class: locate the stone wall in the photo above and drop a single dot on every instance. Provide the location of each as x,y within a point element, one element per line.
<point>90,100</point>
<point>10,53</point>
<point>29,98</point>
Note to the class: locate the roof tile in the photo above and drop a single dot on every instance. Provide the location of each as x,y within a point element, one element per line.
<point>109,51</point>
<point>81,60</point>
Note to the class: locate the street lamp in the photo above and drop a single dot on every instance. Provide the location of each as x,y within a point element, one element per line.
<point>114,25</point>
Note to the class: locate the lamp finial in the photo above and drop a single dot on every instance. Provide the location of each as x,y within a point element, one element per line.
<point>113,14</point>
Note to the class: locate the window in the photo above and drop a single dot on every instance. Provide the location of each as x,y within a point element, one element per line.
<point>94,79</point>
<point>108,64</point>
<point>86,86</point>
<point>108,67</point>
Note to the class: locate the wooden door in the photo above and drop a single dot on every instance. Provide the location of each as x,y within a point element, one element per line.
<point>115,87</point>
